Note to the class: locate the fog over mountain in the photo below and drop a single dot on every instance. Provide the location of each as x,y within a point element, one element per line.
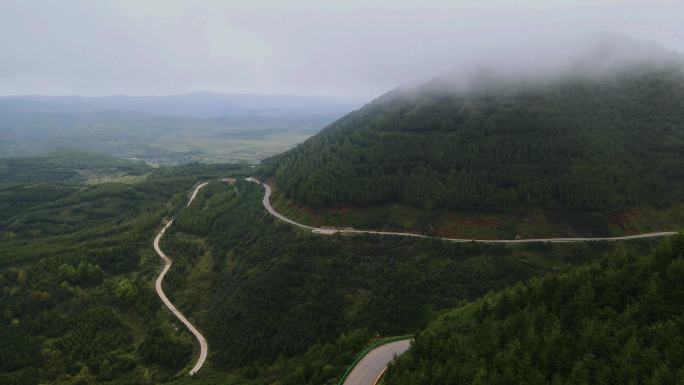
<point>588,57</point>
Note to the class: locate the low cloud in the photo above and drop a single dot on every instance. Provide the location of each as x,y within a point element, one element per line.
<point>352,49</point>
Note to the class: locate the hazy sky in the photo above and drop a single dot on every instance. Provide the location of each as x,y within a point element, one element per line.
<point>354,49</point>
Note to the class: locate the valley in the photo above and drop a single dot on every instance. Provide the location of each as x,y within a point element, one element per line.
<point>164,130</point>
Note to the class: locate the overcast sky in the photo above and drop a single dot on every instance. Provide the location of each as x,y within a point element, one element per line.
<point>352,49</point>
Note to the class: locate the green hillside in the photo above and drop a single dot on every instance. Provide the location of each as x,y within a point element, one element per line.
<point>279,305</point>
<point>616,321</point>
<point>67,166</point>
<point>582,143</point>
<point>31,181</point>
<point>276,304</point>
<point>76,270</point>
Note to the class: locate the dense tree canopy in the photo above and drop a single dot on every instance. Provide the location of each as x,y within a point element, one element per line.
<point>582,143</point>
<point>271,291</point>
<point>76,271</point>
<point>276,304</point>
<point>616,321</point>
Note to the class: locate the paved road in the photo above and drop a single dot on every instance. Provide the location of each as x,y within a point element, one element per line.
<point>371,367</point>
<point>267,204</point>
<point>158,286</point>
<point>327,231</point>
<point>194,192</point>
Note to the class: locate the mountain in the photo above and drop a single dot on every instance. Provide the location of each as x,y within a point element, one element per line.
<point>618,320</point>
<point>578,143</point>
<point>587,151</point>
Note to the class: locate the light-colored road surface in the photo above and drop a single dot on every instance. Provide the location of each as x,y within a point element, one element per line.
<point>158,286</point>
<point>267,204</point>
<point>328,231</point>
<point>194,193</point>
<point>371,367</point>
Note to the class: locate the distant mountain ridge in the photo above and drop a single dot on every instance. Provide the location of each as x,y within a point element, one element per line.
<point>196,105</point>
<point>204,127</point>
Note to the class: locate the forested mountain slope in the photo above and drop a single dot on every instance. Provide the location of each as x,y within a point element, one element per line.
<point>581,142</point>
<point>616,321</point>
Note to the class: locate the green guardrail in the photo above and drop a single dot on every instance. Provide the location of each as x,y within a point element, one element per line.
<point>359,357</point>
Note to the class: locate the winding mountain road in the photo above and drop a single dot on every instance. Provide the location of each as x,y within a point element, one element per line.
<point>329,231</point>
<point>370,369</point>
<point>267,204</point>
<point>158,286</point>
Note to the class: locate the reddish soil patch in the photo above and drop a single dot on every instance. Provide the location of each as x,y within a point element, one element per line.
<point>290,204</point>
<point>627,220</point>
<point>453,226</point>
<point>303,209</point>
<point>491,223</point>
<point>340,208</point>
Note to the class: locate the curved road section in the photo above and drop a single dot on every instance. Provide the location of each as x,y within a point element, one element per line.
<point>158,286</point>
<point>329,231</point>
<point>267,204</point>
<point>371,367</point>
